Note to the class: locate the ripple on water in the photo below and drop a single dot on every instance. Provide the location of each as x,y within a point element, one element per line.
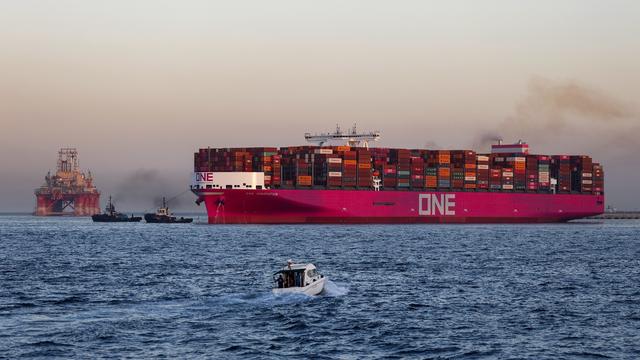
<point>75,289</point>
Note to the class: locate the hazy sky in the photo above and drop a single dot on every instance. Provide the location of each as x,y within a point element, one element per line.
<point>137,86</point>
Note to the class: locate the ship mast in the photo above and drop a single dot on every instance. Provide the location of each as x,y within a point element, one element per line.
<point>351,137</point>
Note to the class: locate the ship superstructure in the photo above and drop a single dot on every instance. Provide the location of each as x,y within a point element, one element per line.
<point>69,191</point>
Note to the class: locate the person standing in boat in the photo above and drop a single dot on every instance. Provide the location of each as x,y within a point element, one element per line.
<point>298,279</point>
<point>289,280</point>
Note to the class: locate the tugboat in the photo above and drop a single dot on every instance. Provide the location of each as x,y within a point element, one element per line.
<point>163,215</point>
<point>111,215</point>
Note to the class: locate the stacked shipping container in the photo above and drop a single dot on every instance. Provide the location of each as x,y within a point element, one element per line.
<point>482,177</point>
<point>340,167</point>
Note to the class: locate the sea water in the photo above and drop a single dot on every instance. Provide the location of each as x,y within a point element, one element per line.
<point>70,288</point>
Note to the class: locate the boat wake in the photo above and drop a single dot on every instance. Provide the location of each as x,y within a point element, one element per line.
<point>257,299</point>
<point>332,289</point>
<point>268,299</point>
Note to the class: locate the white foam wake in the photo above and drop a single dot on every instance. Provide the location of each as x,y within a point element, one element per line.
<point>334,289</point>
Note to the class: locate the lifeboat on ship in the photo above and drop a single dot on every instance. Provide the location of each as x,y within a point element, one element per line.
<point>298,279</point>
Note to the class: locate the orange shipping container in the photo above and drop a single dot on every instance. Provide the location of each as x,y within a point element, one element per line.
<point>444,171</point>
<point>349,162</point>
<point>304,178</point>
<point>343,148</point>
<point>469,166</point>
<point>364,166</point>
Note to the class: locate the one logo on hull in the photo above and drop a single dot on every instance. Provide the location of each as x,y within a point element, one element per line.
<point>204,176</point>
<point>436,204</point>
<point>202,180</point>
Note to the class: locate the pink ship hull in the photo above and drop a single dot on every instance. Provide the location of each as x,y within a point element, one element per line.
<point>385,207</point>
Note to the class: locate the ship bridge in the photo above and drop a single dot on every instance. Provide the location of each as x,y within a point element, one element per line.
<point>351,137</point>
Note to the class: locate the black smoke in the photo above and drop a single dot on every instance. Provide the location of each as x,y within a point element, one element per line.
<point>145,188</point>
<point>570,113</point>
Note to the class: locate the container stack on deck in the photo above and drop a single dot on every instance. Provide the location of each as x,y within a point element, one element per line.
<point>403,162</point>
<point>563,173</point>
<point>444,169</point>
<point>531,173</point>
<point>417,171</point>
<point>598,179</point>
<point>544,177</point>
<point>343,167</point>
<point>482,177</point>
<point>457,170</point>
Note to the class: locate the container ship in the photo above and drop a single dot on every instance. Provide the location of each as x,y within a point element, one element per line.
<point>358,184</point>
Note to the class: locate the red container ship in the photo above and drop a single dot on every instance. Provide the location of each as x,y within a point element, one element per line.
<point>357,184</point>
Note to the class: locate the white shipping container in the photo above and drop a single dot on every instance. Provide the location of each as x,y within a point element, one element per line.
<point>334,160</point>
<point>267,177</point>
<point>587,182</point>
<point>469,178</point>
<point>482,158</point>
<point>517,159</point>
<point>335,173</point>
<point>507,187</point>
<point>324,151</point>
<point>587,175</point>
<point>483,167</point>
<point>498,159</point>
<point>507,173</point>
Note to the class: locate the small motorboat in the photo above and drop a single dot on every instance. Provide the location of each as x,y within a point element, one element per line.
<point>164,216</point>
<point>298,279</point>
<point>111,215</point>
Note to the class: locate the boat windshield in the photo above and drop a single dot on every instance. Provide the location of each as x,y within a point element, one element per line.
<point>289,278</point>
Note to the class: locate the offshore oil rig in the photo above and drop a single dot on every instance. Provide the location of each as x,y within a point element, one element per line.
<point>68,192</point>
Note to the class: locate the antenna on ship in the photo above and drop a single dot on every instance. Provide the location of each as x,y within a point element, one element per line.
<point>352,137</point>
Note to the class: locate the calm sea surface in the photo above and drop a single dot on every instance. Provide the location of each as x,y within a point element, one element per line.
<point>70,288</point>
